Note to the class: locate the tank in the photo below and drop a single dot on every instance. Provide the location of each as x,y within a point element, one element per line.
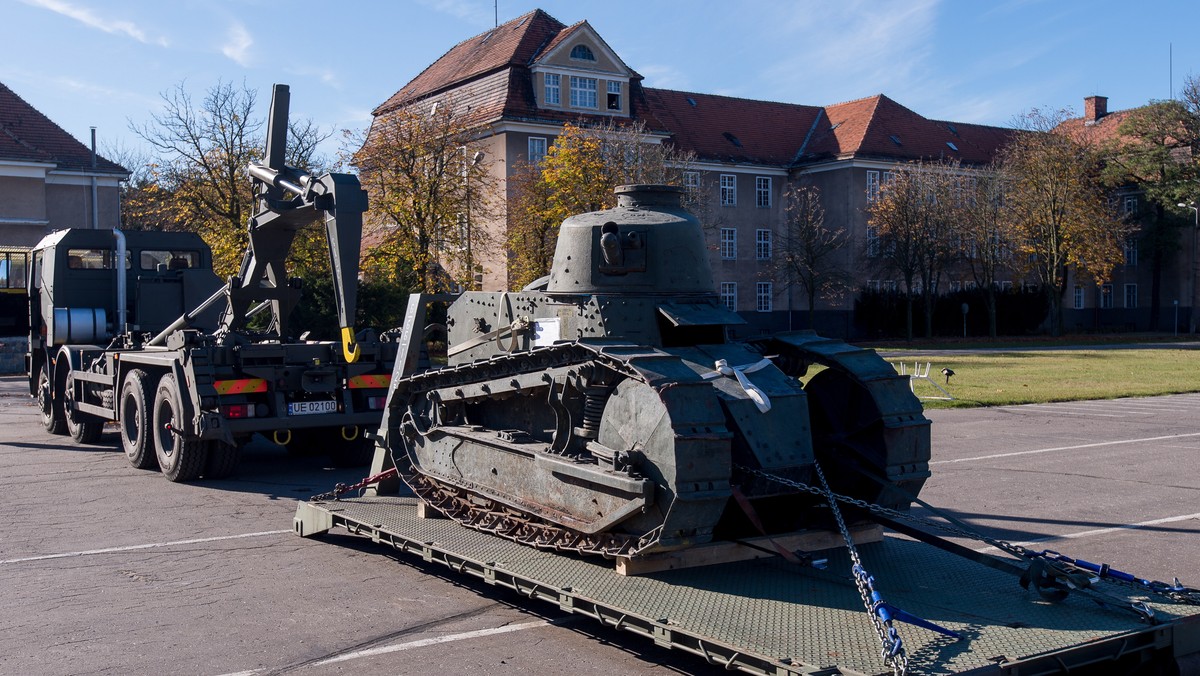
<point>605,410</point>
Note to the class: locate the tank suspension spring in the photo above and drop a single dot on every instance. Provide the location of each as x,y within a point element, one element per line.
<point>595,397</point>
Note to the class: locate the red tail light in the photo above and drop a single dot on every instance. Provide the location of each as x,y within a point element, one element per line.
<point>238,410</point>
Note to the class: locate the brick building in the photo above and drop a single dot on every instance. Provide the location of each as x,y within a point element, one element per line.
<point>519,82</point>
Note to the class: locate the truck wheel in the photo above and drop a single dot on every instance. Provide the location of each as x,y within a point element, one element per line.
<point>222,459</point>
<point>50,406</point>
<point>180,457</point>
<point>135,421</point>
<point>84,428</point>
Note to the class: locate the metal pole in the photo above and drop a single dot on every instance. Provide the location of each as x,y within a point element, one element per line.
<point>1192,269</point>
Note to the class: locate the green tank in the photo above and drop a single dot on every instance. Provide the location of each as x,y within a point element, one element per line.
<point>604,409</point>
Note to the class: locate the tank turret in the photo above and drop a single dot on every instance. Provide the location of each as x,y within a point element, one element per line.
<point>648,244</point>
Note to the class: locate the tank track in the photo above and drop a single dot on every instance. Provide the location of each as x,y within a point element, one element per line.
<point>480,513</point>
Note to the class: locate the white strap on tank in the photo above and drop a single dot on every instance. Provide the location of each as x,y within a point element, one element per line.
<point>756,395</point>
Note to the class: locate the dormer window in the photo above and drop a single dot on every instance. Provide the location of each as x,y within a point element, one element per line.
<point>582,53</point>
<point>583,92</point>
<point>553,89</point>
<point>614,95</point>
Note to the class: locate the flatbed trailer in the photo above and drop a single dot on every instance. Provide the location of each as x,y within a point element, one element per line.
<point>769,616</point>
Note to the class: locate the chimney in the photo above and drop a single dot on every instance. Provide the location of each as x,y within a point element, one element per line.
<point>1094,108</point>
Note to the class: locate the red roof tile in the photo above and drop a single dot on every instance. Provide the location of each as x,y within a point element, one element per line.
<point>28,135</point>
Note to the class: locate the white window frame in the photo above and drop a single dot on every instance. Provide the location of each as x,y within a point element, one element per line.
<point>762,296</point>
<point>762,192</point>
<point>537,149</point>
<point>614,89</point>
<point>728,190</point>
<point>1106,296</point>
<point>872,185</point>
<point>1131,294</point>
<point>874,250</point>
<point>691,179</point>
<point>729,295</point>
<point>762,244</point>
<point>552,85</point>
<point>585,53</point>
<point>729,244</point>
<point>1131,251</point>
<point>1129,205</point>
<point>583,92</point>
<point>1078,297</point>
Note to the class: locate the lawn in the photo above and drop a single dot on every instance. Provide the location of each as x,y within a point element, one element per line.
<point>997,379</point>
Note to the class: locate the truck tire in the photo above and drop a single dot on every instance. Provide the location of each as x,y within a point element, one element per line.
<point>50,406</point>
<point>180,457</point>
<point>222,459</point>
<point>84,428</point>
<point>135,421</point>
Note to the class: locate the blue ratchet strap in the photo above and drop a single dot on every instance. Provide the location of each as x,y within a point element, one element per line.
<point>888,612</point>
<point>1103,570</point>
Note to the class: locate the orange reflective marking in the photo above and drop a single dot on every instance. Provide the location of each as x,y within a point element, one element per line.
<point>242,386</point>
<point>372,381</point>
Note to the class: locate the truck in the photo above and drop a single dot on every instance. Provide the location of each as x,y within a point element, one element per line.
<point>135,328</point>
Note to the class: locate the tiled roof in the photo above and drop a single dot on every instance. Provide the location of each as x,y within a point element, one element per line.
<point>514,43</point>
<point>28,135</point>
<point>1103,129</point>
<point>726,129</point>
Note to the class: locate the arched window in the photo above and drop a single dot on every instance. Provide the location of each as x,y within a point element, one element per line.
<point>583,53</point>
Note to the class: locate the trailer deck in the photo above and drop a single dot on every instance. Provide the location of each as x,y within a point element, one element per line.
<point>773,617</point>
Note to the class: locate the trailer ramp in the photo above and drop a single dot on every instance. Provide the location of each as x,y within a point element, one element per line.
<point>768,616</point>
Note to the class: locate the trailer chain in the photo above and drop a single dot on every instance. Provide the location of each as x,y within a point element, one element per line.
<point>1053,566</point>
<point>894,655</point>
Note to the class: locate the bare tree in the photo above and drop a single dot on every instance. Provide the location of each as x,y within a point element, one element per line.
<point>985,243</point>
<point>810,248</point>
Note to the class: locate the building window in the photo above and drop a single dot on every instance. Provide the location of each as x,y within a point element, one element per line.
<point>728,244</point>
<point>873,248</point>
<point>691,179</point>
<point>553,89</point>
<point>537,149</point>
<point>1131,248</point>
<point>1078,297</point>
<point>1131,295</point>
<point>762,191</point>
<point>583,92</point>
<point>763,295</point>
<point>729,295</point>
<point>1129,205</point>
<point>582,53</point>
<point>1106,299</point>
<point>872,185</point>
<point>955,285</point>
<point>614,95</point>
<point>728,190</point>
<point>762,245</point>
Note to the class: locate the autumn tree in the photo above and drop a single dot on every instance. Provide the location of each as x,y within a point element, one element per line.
<point>197,179</point>
<point>578,175</point>
<point>1153,153</point>
<point>428,183</point>
<point>986,244</point>
<point>809,256</point>
<point>1057,208</point>
<point>914,221</point>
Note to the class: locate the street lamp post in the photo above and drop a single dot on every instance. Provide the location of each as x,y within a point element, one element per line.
<point>466,177</point>
<point>1192,270</point>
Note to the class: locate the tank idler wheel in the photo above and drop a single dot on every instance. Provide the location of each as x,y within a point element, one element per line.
<point>135,420</point>
<point>181,457</point>
<point>84,428</point>
<point>50,406</point>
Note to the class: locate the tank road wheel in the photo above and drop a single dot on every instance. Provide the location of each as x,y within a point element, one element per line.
<point>135,421</point>
<point>222,459</point>
<point>180,457</point>
<point>49,406</point>
<point>84,428</point>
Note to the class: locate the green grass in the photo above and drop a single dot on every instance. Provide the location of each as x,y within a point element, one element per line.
<point>1007,378</point>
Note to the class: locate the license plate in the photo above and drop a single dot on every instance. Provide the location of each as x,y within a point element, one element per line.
<point>311,407</point>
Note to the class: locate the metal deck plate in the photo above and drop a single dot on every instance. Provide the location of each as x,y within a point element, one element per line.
<point>770,616</point>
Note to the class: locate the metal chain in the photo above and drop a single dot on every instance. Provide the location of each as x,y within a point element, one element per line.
<point>893,652</point>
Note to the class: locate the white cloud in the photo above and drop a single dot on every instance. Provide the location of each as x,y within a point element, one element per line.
<point>90,19</point>
<point>237,44</point>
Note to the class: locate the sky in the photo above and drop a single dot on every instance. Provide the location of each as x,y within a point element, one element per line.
<point>106,63</point>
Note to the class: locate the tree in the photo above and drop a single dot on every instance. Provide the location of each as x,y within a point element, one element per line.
<point>810,248</point>
<point>1152,152</point>
<point>986,245</point>
<point>914,219</point>
<point>426,186</point>
<point>198,181</point>
<point>1057,210</point>
<point>578,175</point>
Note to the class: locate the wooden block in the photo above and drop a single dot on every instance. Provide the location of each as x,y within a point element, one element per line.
<point>426,511</point>
<point>728,552</point>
